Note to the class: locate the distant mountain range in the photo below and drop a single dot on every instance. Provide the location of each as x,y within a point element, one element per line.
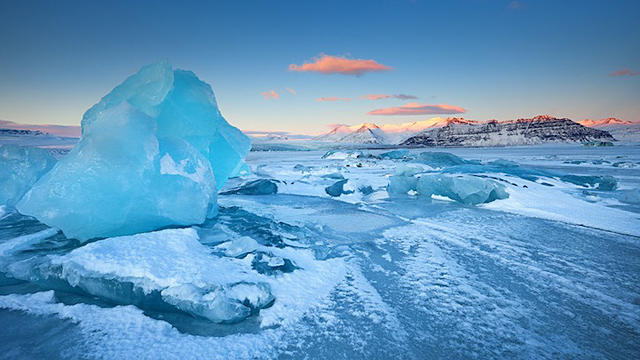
<point>464,132</point>
<point>621,130</point>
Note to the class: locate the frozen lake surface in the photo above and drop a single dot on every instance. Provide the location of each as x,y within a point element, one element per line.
<point>551,271</point>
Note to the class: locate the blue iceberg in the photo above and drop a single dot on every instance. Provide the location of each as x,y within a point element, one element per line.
<point>153,153</point>
<point>20,168</point>
<point>255,187</point>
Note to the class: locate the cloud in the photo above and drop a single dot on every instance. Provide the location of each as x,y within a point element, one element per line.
<point>327,64</point>
<point>624,72</point>
<point>385,96</point>
<point>332,98</point>
<point>291,91</point>
<point>57,130</point>
<point>515,5</point>
<point>270,94</point>
<point>419,109</point>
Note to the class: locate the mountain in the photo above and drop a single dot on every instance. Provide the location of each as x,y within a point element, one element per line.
<point>367,133</point>
<point>24,137</point>
<point>622,130</point>
<point>537,130</point>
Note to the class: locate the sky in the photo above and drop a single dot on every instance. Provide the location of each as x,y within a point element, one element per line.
<point>300,66</point>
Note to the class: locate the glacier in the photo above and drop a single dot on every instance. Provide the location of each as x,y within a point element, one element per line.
<point>153,153</point>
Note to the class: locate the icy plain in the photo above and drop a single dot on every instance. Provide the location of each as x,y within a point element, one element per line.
<point>547,267</point>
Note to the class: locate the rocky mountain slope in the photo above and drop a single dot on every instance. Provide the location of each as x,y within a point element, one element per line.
<point>537,130</point>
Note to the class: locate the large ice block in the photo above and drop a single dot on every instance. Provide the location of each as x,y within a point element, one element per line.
<point>153,153</point>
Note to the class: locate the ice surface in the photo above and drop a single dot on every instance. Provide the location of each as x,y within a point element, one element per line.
<point>255,187</point>
<point>20,168</point>
<point>153,153</point>
<point>377,276</point>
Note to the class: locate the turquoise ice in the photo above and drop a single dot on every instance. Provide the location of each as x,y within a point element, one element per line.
<point>153,153</point>
<point>21,167</point>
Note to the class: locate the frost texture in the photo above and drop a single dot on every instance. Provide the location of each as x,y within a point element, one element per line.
<point>153,153</point>
<point>21,167</point>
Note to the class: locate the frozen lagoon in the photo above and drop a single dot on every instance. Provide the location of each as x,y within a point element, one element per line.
<point>549,272</point>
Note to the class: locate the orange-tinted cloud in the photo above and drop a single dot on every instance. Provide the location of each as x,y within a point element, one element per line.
<point>624,72</point>
<point>327,64</point>
<point>419,109</point>
<point>332,98</point>
<point>291,91</point>
<point>385,96</point>
<point>270,94</point>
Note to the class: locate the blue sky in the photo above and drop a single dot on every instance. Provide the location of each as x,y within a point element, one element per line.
<point>496,59</point>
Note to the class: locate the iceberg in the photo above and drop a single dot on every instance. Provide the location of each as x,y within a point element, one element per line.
<point>20,168</point>
<point>153,153</point>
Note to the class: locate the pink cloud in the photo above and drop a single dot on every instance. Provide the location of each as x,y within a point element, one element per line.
<point>327,64</point>
<point>270,94</point>
<point>419,109</point>
<point>624,72</point>
<point>332,98</point>
<point>385,96</point>
<point>291,91</point>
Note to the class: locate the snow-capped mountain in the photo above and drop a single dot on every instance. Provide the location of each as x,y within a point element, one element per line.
<point>537,130</point>
<point>621,130</point>
<point>368,133</point>
<point>463,132</point>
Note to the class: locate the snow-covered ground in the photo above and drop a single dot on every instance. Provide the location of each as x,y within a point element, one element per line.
<point>549,272</point>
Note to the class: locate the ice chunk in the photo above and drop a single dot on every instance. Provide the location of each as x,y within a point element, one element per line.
<point>470,190</point>
<point>239,247</point>
<point>171,265</point>
<point>20,168</point>
<point>395,154</point>
<point>337,188</point>
<point>631,196</point>
<point>366,189</point>
<point>342,155</point>
<point>442,159</point>
<point>255,187</point>
<point>153,153</point>
<point>606,183</point>
<point>221,304</point>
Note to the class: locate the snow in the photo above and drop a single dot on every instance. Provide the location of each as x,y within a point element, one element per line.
<point>153,153</point>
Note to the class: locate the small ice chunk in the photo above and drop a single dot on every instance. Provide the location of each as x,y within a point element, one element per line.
<point>275,261</point>
<point>254,187</point>
<point>239,247</point>
<point>395,154</point>
<point>468,190</point>
<point>338,189</point>
<point>606,183</point>
<point>20,168</point>
<point>442,159</point>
